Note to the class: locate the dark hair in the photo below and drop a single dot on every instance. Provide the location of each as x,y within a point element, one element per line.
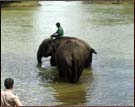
<point>58,24</point>
<point>9,83</point>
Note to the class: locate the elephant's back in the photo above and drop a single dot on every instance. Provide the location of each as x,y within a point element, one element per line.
<point>71,49</point>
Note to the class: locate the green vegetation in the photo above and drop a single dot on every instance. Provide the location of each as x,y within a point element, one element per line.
<point>19,3</point>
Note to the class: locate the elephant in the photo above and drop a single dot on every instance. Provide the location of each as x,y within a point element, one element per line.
<point>45,49</point>
<point>69,54</point>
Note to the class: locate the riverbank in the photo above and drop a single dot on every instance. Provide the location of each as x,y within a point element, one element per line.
<point>110,1</point>
<point>36,3</point>
<point>20,4</point>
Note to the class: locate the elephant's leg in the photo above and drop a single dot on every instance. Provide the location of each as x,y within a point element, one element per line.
<point>79,73</point>
<point>61,70</point>
<point>52,61</point>
<point>61,73</point>
<point>72,74</point>
<point>87,64</point>
<point>88,61</point>
<point>69,74</point>
<point>70,78</point>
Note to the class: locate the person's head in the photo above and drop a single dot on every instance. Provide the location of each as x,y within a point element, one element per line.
<point>58,24</point>
<point>9,83</point>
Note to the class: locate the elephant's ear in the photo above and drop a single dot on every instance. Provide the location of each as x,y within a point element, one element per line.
<point>53,50</point>
<point>53,47</point>
<point>49,41</point>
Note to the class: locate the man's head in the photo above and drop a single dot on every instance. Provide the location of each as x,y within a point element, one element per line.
<point>58,24</point>
<point>8,83</point>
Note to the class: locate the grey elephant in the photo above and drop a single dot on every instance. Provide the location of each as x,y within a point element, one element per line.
<point>70,55</point>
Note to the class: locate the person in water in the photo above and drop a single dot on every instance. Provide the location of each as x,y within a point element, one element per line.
<point>59,32</point>
<point>8,97</point>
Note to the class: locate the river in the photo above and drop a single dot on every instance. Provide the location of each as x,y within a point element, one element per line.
<point>108,28</point>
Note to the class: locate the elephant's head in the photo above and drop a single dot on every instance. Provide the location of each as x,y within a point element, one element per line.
<point>45,50</point>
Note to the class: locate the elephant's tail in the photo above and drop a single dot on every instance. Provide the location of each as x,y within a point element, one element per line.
<point>93,51</point>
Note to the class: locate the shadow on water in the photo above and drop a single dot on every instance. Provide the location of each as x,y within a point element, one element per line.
<point>64,92</point>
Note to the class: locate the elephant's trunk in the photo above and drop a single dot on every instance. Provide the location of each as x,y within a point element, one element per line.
<point>39,57</point>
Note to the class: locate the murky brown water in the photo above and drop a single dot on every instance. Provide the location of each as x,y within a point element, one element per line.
<point>106,27</point>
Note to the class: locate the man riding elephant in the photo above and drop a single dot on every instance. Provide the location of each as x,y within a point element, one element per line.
<point>59,32</point>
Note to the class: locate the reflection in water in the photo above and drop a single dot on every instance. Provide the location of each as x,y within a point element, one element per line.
<point>70,94</point>
<point>67,93</point>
